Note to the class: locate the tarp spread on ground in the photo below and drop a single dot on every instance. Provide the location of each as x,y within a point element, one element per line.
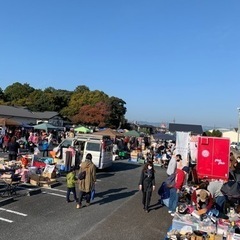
<point>45,126</point>
<point>109,132</point>
<point>82,129</point>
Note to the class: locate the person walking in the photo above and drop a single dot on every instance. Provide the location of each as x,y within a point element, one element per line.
<point>86,184</point>
<point>71,180</point>
<point>147,184</point>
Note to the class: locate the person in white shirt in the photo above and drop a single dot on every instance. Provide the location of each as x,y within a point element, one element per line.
<point>172,166</point>
<point>214,187</point>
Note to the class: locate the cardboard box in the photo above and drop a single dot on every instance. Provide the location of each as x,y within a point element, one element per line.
<point>34,182</point>
<point>49,171</point>
<point>49,175</point>
<point>47,183</point>
<point>38,180</point>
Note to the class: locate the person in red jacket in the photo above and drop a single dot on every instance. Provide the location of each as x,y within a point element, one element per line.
<point>174,191</point>
<point>203,200</point>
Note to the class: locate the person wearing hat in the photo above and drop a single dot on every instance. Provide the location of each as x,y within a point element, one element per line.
<point>174,191</point>
<point>203,200</point>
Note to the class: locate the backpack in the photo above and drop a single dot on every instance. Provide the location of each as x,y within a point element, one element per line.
<point>170,181</point>
<point>82,175</point>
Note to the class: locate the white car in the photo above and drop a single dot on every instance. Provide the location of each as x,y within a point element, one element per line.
<point>235,145</point>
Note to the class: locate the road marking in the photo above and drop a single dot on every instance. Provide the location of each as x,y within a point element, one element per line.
<point>54,194</point>
<point>55,189</point>
<point>15,212</point>
<point>6,220</point>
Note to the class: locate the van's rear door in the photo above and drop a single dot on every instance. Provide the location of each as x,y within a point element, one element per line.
<point>94,148</point>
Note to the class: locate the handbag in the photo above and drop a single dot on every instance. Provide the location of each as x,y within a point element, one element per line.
<point>82,175</point>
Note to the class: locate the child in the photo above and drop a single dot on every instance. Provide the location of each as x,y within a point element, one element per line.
<point>45,146</point>
<point>71,180</point>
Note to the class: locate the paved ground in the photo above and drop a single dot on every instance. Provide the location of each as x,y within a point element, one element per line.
<point>116,212</point>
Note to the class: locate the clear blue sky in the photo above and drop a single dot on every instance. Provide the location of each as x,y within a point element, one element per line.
<point>167,59</point>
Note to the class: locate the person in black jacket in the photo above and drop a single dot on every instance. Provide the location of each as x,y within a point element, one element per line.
<point>13,147</point>
<point>147,184</point>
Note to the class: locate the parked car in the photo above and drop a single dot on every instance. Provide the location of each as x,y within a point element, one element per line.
<point>235,145</point>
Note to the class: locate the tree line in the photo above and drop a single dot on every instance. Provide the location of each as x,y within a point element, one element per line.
<point>81,106</point>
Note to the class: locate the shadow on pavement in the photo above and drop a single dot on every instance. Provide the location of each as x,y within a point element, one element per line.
<point>104,175</point>
<point>122,166</point>
<point>112,195</point>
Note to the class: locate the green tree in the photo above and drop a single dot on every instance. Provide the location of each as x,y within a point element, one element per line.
<point>48,100</point>
<point>81,89</point>
<point>214,133</point>
<point>17,91</point>
<point>1,96</point>
<point>79,99</point>
<point>118,110</point>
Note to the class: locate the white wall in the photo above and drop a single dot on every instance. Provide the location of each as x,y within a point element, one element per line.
<point>233,135</point>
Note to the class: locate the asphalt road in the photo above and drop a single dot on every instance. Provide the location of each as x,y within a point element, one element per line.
<point>116,212</point>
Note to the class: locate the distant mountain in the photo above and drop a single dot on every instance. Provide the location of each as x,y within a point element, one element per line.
<point>155,124</point>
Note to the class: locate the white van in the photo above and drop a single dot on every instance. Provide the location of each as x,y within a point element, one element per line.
<point>100,147</point>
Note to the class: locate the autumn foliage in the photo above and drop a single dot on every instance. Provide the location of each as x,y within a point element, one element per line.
<point>96,115</point>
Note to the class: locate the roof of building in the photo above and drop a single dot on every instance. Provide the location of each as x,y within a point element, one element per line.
<point>15,111</point>
<point>195,129</point>
<point>46,114</point>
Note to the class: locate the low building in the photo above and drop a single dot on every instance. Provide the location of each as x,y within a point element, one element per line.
<point>178,127</point>
<point>23,115</point>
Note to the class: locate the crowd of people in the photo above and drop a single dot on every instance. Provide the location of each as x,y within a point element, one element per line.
<point>204,196</point>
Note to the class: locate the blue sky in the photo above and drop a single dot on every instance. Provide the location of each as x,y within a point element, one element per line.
<point>167,59</point>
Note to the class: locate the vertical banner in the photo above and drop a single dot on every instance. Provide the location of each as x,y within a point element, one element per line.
<point>182,146</point>
<point>193,147</point>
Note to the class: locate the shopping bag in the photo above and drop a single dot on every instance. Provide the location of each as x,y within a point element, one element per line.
<point>92,194</point>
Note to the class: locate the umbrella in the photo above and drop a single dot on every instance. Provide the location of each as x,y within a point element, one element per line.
<point>164,136</point>
<point>132,133</point>
<point>9,122</point>
<point>82,129</point>
<point>44,126</point>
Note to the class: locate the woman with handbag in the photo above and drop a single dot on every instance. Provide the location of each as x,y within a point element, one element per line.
<point>86,180</point>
